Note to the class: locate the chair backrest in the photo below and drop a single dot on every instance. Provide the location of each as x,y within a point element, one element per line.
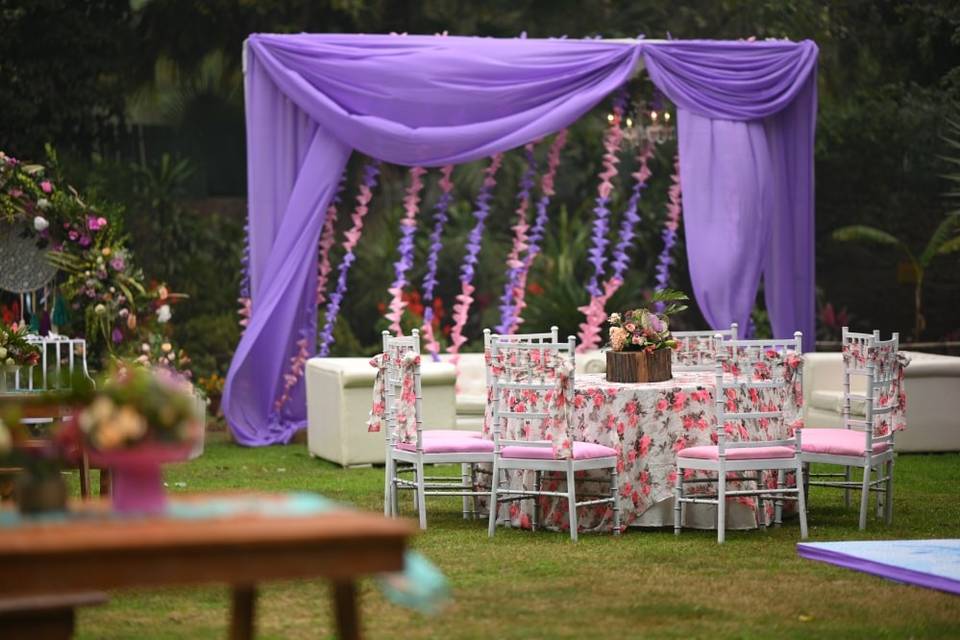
<point>551,337</point>
<point>402,391</point>
<point>878,363</point>
<point>531,393</point>
<point>757,382</point>
<point>697,350</point>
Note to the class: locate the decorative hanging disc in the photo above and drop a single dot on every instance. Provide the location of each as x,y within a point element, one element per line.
<point>23,267</point>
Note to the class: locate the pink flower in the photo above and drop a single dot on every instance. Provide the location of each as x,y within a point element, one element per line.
<point>662,404</point>
<point>678,400</point>
<point>644,444</point>
<point>46,187</point>
<point>95,224</point>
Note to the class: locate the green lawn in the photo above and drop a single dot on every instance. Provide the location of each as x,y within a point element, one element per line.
<point>540,585</point>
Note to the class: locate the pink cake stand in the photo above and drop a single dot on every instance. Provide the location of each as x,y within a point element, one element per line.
<point>136,474</point>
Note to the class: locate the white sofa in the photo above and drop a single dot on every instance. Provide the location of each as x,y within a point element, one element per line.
<point>472,384</point>
<point>932,384</point>
<point>339,396</point>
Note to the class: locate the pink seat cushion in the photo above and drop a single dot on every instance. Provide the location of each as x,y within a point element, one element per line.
<point>581,451</point>
<point>708,452</point>
<point>441,433</point>
<point>451,444</point>
<point>839,442</point>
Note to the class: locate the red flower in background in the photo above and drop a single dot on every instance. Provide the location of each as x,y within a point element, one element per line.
<point>534,289</point>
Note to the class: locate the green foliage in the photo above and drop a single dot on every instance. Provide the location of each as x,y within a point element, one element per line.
<point>62,67</point>
<point>679,578</point>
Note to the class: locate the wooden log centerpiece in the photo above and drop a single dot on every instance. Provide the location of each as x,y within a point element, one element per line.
<point>639,366</point>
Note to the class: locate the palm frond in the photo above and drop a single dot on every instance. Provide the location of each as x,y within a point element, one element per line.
<point>950,246</point>
<point>941,235</point>
<point>864,233</point>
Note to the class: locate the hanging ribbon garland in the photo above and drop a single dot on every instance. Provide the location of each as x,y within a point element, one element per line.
<point>327,240</point>
<point>590,328</point>
<point>621,257</point>
<point>674,210</point>
<point>371,172</point>
<point>405,249</point>
<point>465,299</point>
<point>508,307</point>
<point>245,304</point>
<point>440,219</point>
<point>539,227</point>
<point>299,360</point>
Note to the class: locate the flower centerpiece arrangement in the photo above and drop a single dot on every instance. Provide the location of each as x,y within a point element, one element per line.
<point>15,352</point>
<point>133,422</point>
<point>640,340</point>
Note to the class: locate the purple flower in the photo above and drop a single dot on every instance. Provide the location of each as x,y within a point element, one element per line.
<point>46,187</point>
<point>118,264</point>
<point>73,235</point>
<point>117,335</point>
<point>84,240</point>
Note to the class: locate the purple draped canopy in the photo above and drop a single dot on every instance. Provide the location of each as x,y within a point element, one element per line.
<point>746,115</point>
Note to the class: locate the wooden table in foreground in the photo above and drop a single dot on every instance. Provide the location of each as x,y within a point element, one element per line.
<point>100,554</point>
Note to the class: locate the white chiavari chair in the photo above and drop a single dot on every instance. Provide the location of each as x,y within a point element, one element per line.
<point>409,449</point>
<point>697,350</point>
<point>754,381</point>
<point>866,439</point>
<point>531,390</point>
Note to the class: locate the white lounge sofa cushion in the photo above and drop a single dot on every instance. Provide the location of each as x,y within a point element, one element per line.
<point>339,396</point>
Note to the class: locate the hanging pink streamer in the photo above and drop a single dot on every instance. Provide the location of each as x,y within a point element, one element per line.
<point>430,280</point>
<point>327,240</point>
<point>408,225</point>
<point>461,309</point>
<point>590,329</point>
<point>297,363</point>
<point>540,222</point>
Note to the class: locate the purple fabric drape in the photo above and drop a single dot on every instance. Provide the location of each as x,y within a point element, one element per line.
<point>746,115</point>
<point>431,101</point>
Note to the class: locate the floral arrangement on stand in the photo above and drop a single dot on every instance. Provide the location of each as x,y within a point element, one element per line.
<point>646,334</point>
<point>134,405</point>
<point>15,351</point>
<point>108,299</point>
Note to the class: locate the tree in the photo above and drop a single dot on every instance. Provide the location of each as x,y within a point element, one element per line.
<point>942,242</point>
<point>62,73</point>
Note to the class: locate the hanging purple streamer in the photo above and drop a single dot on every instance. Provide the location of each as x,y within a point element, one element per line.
<point>669,235</point>
<point>440,219</point>
<point>480,214</point>
<point>508,307</point>
<point>245,263</point>
<point>543,204</point>
<point>621,259</point>
<point>601,212</point>
<point>371,173</point>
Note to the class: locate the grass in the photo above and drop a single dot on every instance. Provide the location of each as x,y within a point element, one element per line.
<point>645,584</point>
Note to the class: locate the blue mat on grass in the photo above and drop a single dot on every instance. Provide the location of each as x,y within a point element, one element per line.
<point>934,564</point>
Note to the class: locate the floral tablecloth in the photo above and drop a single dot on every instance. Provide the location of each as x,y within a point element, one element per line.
<point>647,423</point>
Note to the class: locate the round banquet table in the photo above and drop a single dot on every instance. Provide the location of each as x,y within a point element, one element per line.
<point>648,423</point>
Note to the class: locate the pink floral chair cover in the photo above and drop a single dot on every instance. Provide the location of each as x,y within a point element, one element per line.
<point>766,365</point>
<point>519,365</point>
<point>694,350</point>
<point>398,368</point>
<point>888,368</point>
